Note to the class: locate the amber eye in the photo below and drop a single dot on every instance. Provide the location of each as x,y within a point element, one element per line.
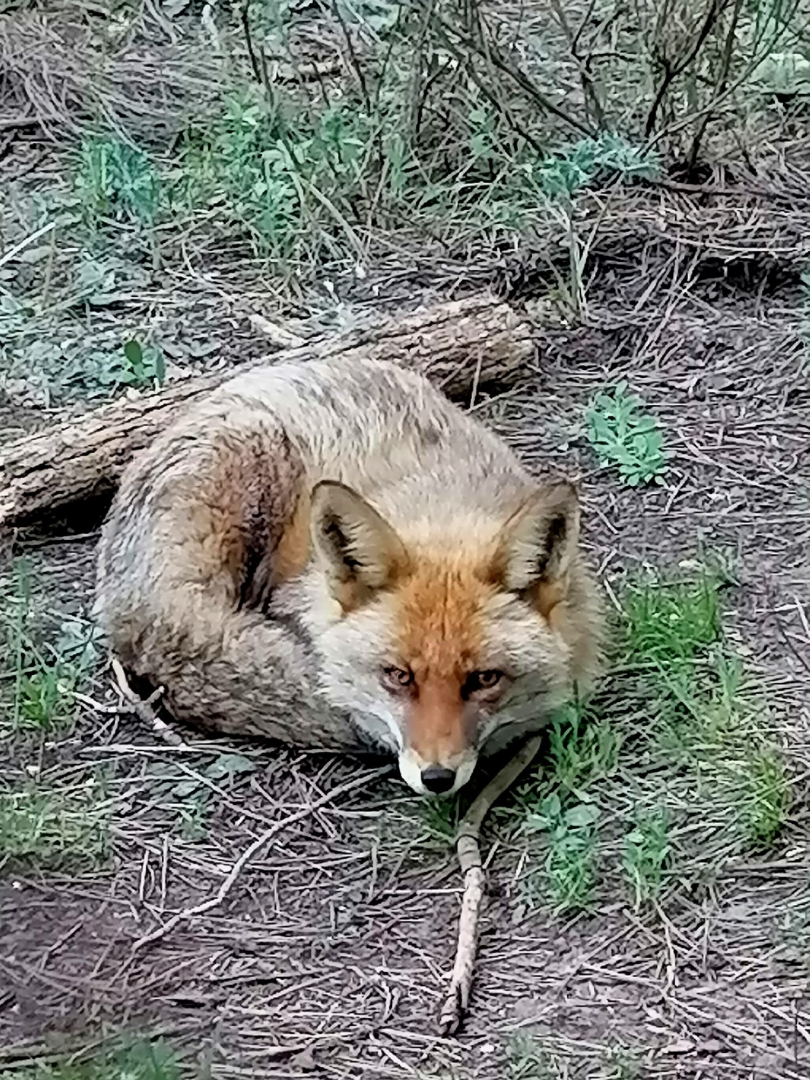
<point>397,678</point>
<point>482,680</point>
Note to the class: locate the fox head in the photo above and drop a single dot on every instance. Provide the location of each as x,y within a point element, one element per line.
<point>437,647</point>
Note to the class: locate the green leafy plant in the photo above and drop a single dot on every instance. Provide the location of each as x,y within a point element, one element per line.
<point>563,174</point>
<point>646,852</point>
<point>627,437</point>
<point>145,364</point>
<point>569,863</point>
<point>114,178</point>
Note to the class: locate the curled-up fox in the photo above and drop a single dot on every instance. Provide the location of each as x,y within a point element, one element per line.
<point>340,558</point>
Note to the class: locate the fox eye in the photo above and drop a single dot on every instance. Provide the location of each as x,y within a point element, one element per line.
<point>482,680</point>
<point>397,678</point>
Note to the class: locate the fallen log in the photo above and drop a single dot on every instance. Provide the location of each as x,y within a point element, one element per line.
<point>459,345</point>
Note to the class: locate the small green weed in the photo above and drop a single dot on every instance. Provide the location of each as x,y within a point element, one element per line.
<point>591,159</point>
<point>48,827</point>
<point>627,437</point>
<point>528,1060</point>
<point>441,817</point>
<point>114,179</point>
<point>569,864</point>
<point>620,1063</point>
<point>144,365</point>
<point>767,796</point>
<point>44,699</point>
<point>646,853</point>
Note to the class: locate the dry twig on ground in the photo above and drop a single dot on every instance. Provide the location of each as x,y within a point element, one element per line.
<point>469,857</point>
<point>252,850</point>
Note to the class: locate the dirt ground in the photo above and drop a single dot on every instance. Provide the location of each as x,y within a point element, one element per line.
<point>331,954</point>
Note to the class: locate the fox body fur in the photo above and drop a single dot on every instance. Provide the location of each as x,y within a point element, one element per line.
<point>340,558</point>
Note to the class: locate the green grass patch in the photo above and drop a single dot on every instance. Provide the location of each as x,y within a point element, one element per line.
<point>140,1060</point>
<point>647,850</point>
<point>670,622</point>
<point>766,797</point>
<point>117,180</point>
<point>569,867</point>
<point>673,767</point>
<point>48,827</point>
<point>45,660</point>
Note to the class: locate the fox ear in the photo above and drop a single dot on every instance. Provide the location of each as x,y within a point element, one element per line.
<point>539,541</point>
<point>359,547</point>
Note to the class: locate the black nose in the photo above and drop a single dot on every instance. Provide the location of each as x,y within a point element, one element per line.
<point>438,779</point>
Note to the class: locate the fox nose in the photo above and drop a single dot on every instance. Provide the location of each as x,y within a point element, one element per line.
<point>437,779</point>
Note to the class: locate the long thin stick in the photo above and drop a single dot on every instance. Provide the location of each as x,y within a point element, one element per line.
<point>469,856</point>
<point>253,849</point>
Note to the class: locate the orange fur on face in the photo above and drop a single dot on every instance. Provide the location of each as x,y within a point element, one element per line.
<point>440,616</point>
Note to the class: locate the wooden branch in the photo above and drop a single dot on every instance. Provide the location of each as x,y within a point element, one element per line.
<point>43,474</point>
<point>469,856</point>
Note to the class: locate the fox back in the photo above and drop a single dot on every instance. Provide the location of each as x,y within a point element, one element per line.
<point>341,558</point>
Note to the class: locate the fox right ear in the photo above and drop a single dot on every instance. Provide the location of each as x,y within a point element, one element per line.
<point>538,543</point>
<point>361,550</point>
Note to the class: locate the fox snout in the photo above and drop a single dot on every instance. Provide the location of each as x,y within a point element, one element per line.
<point>438,756</point>
<point>443,776</point>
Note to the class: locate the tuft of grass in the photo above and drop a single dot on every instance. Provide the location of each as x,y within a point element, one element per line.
<point>441,816</point>
<point>647,850</point>
<point>569,865</point>
<point>118,180</point>
<point>669,623</point>
<point>46,827</point>
<point>582,748</point>
<point>142,1059</point>
<point>625,436</point>
<point>42,675</point>
<point>528,1060</point>
<point>707,719</point>
<point>767,796</point>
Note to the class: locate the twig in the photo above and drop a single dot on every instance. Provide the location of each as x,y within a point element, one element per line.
<point>252,850</point>
<point>514,72</point>
<point>285,339</point>
<point>469,858</point>
<point>143,708</point>
<point>13,252</point>
<point>674,69</point>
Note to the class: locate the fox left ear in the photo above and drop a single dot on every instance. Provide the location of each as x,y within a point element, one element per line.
<point>538,543</point>
<point>362,551</point>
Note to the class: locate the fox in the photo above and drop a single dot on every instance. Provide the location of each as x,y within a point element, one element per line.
<point>340,558</point>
